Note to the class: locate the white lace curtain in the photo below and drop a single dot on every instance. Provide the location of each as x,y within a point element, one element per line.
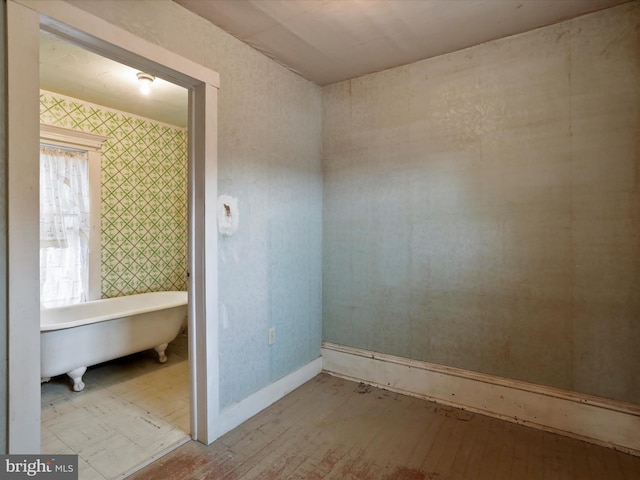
<point>64,226</point>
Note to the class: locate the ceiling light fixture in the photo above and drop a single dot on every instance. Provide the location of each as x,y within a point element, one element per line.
<point>145,80</point>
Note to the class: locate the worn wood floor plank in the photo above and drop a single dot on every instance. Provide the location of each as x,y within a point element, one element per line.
<point>397,448</point>
<point>535,455</point>
<point>331,428</point>
<point>519,455</point>
<point>263,432</point>
<point>278,462</point>
<point>491,454</point>
<point>629,466</point>
<point>358,428</point>
<point>565,455</point>
<point>578,463</point>
<point>465,451</point>
<point>508,439</point>
<point>609,462</point>
<point>445,446</point>
<point>477,449</point>
<point>552,458</point>
<point>320,461</point>
<point>433,424</point>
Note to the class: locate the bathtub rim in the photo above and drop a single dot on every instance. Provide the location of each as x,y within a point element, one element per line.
<point>181,300</point>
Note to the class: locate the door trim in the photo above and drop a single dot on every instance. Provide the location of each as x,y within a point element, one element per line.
<point>25,18</point>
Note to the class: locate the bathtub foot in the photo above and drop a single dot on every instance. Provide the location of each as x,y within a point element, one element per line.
<point>76,376</point>
<point>162,358</point>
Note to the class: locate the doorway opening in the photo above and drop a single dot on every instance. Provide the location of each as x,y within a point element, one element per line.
<point>132,406</point>
<point>71,24</point>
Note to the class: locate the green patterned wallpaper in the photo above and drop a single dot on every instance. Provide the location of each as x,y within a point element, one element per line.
<point>144,195</point>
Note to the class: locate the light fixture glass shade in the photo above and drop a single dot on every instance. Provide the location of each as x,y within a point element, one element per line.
<point>145,80</point>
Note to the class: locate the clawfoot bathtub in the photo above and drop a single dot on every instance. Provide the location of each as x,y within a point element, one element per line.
<point>75,337</point>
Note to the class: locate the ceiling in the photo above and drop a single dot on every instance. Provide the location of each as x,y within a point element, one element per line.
<point>75,72</point>
<point>324,41</point>
<point>327,41</point>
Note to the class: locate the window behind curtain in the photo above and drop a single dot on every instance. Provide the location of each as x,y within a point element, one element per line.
<point>64,226</point>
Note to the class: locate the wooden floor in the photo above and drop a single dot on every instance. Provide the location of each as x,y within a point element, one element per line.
<point>333,428</point>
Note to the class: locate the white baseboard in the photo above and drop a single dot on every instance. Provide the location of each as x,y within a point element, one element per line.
<point>596,420</point>
<point>239,412</point>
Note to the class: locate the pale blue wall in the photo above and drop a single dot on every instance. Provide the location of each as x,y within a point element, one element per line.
<point>270,269</point>
<point>481,208</point>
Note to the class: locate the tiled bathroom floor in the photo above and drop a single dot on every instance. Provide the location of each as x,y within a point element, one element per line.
<point>131,411</point>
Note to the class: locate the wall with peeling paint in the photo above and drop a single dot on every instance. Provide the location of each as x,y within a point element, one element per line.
<point>269,158</point>
<point>482,209</point>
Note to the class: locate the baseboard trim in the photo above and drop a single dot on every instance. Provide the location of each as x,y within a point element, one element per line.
<point>593,419</point>
<point>238,413</point>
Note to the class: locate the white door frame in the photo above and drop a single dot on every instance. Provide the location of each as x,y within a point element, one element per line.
<point>25,18</point>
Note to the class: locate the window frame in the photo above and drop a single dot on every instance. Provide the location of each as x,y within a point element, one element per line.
<point>92,144</point>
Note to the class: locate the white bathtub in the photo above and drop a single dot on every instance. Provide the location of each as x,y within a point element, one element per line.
<point>75,337</point>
